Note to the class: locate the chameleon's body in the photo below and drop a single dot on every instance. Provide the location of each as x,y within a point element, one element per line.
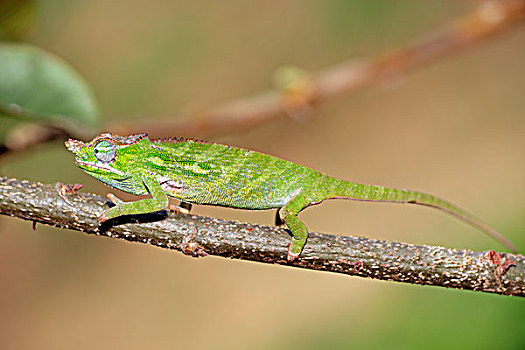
<point>214,174</point>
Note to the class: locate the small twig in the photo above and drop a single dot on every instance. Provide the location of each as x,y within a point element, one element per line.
<point>33,130</point>
<point>487,271</point>
<point>33,137</point>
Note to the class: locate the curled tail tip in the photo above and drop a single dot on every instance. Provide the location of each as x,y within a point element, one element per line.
<point>469,218</point>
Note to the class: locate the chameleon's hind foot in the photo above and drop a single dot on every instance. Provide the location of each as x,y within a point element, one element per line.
<point>299,232</point>
<point>291,256</point>
<point>295,248</point>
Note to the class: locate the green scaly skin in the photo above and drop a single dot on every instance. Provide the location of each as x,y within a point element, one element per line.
<point>214,174</point>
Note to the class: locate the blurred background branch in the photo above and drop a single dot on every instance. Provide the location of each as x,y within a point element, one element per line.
<point>307,90</point>
<point>199,236</point>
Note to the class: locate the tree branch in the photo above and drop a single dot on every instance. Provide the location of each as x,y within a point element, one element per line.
<point>490,17</point>
<point>486,271</point>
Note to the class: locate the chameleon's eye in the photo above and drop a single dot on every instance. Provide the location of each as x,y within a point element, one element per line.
<point>105,151</point>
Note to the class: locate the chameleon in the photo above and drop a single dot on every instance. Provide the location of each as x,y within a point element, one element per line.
<point>198,172</point>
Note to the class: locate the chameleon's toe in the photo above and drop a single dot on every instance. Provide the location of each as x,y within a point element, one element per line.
<point>102,218</point>
<point>296,247</point>
<point>294,250</point>
<point>291,256</point>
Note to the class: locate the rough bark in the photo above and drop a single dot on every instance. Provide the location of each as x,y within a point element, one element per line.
<point>486,271</point>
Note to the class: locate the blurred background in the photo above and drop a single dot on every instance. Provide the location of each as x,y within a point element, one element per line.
<point>455,128</point>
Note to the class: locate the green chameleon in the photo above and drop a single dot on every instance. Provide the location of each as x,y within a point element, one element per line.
<point>214,174</point>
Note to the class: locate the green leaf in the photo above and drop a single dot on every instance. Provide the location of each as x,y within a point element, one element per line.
<point>39,87</point>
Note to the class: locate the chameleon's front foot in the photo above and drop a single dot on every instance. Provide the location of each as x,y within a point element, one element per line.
<point>106,215</point>
<point>158,202</point>
<point>103,218</point>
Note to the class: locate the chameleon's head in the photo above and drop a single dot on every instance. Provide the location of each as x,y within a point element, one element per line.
<point>107,157</point>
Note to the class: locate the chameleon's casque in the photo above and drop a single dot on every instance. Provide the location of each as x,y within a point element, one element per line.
<point>214,174</point>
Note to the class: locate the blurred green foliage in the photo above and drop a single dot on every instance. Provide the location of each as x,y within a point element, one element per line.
<point>39,87</point>
<point>435,319</point>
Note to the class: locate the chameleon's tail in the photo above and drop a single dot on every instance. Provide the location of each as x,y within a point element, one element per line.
<point>354,191</point>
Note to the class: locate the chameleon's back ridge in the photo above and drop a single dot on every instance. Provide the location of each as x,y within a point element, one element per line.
<point>199,172</point>
<point>217,174</point>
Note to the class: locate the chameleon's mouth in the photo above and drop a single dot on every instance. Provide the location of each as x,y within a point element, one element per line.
<point>101,166</point>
